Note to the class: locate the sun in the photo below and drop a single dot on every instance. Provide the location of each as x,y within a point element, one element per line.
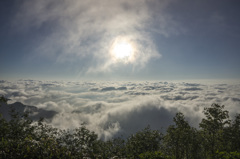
<point>122,50</point>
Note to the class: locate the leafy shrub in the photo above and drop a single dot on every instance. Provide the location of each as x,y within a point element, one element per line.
<point>153,155</point>
<point>228,155</point>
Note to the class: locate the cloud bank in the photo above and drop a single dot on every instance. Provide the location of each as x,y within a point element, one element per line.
<point>121,108</point>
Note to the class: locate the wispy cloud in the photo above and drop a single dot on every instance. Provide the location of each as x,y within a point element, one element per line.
<point>79,30</point>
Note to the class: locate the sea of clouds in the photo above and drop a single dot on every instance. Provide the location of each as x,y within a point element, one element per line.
<point>122,108</point>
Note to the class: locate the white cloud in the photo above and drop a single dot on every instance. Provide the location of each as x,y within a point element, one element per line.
<point>122,111</point>
<point>83,30</point>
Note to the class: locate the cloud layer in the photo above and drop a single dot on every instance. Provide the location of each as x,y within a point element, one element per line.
<point>121,108</point>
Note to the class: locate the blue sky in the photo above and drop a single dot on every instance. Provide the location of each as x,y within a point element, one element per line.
<point>73,40</point>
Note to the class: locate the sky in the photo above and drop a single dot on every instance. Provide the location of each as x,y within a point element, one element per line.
<point>119,65</point>
<point>119,39</point>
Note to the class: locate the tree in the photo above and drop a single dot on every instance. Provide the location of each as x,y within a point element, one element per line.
<point>217,137</point>
<point>146,140</point>
<point>213,128</point>
<point>180,140</point>
<point>153,155</point>
<point>21,138</point>
<point>115,147</point>
<point>234,135</point>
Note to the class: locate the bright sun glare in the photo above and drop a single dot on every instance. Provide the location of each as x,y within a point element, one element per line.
<point>122,50</point>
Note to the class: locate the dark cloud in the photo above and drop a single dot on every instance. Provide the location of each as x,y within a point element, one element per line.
<point>192,84</point>
<point>178,97</point>
<point>122,88</point>
<point>220,88</point>
<point>150,88</point>
<point>166,89</point>
<point>236,99</point>
<point>113,88</point>
<point>136,93</point>
<point>108,89</point>
<point>94,89</point>
<point>135,120</point>
<point>193,89</point>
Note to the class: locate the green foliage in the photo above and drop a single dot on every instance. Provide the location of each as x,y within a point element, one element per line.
<point>3,99</point>
<point>217,137</point>
<point>143,141</point>
<point>181,141</point>
<point>153,155</point>
<point>213,128</point>
<point>112,148</point>
<point>228,155</point>
<point>234,135</point>
<point>216,118</point>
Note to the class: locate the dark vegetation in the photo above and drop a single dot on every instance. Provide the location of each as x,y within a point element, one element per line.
<point>218,137</point>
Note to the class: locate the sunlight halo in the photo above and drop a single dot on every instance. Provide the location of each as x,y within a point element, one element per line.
<point>122,50</point>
